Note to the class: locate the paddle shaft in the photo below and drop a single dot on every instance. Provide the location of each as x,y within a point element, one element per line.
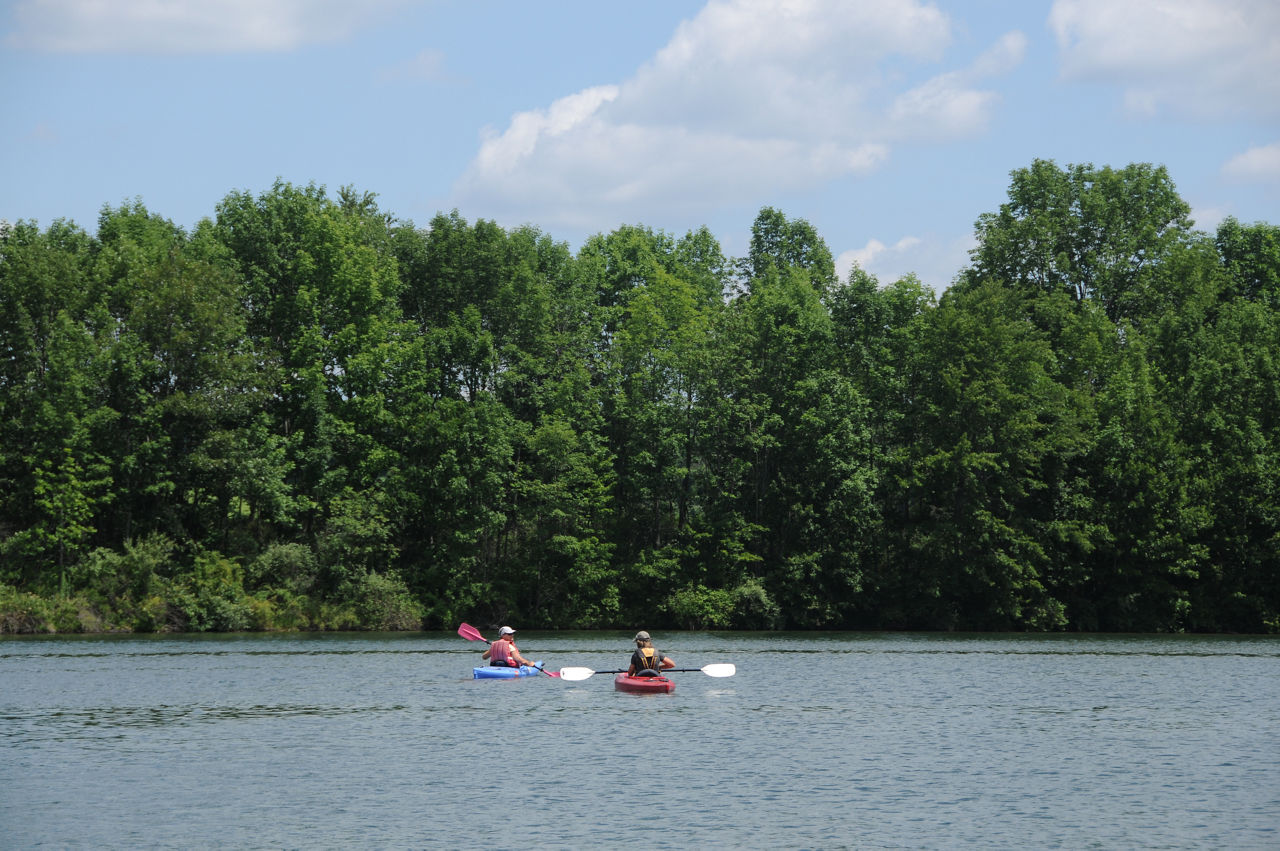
<point>717,669</point>
<point>660,673</point>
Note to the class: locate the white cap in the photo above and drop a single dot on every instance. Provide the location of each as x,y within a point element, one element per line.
<point>506,630</point>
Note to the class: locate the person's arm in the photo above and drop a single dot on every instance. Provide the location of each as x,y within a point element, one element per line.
<point>485,654</point>
<point>520,660</point>
<point>667,663</point>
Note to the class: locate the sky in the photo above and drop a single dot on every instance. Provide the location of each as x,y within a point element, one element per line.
<point>889,125</point>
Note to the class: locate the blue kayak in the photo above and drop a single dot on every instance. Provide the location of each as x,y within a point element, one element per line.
<point>495,672</point>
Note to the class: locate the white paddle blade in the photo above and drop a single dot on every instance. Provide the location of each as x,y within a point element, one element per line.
<point>722,669</point>
<point>578,673</point>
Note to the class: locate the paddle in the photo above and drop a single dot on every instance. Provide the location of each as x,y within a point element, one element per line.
<point>470,633</point>
<point>720,669</point>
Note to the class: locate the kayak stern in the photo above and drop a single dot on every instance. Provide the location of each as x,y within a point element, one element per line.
<point>643,685</point>
<point>496,672</point>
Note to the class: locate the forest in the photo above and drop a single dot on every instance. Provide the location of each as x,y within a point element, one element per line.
<point>307,414</point>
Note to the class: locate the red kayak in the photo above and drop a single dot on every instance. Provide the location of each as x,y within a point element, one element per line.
<point>643,685</point>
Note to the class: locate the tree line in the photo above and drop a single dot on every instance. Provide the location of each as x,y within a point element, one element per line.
<point>307,414</point>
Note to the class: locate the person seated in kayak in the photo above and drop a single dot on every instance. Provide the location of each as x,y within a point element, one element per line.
<point>646,661</point>
<point>503,653</point>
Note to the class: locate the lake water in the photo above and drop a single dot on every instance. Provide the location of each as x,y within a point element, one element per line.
<point>829,740</point>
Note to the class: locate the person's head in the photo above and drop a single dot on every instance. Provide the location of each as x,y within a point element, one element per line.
<point>643,640</point>
<point>508,633</point>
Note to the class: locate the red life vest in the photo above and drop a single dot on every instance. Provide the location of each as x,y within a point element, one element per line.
<point>500,654</point>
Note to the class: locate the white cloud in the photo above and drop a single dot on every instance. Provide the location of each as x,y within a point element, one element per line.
<point>1205,58</point>
<point>948,105</point>
<point>749,100</point>
<point>943,105</point>
<point>1208,218</point>
<point>934,260</point>
<point>178,26</point>
<point>1259,164</point>
<point>864,257</point>
<point>1002,57</point>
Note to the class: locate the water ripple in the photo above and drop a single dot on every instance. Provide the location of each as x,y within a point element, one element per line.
<point>825,741</point>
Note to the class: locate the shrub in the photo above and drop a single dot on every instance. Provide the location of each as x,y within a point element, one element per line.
<point>25,613</point>
<point>753,608</point>
<point>279,609</point>
<point>699,607</point>
<point>289,566</point>
<point>384,602</point>
<point>211,597</point>
<point>126,576</point>
<point>151,615</point>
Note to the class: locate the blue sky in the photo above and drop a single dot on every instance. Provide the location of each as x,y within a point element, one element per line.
<point>890,125</point>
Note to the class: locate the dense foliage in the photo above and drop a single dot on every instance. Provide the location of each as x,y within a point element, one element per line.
<point>306,414</point>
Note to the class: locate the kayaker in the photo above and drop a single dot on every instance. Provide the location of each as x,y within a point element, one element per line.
<point>647,661</point>
<point>503,653</point>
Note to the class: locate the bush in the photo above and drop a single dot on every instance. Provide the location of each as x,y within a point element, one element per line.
<point>292,567</point>
<point>753,608</point>
<point>337,616</point>
<point>384,602</point>
<point>211,597</point>
<point>699,607</point>
<point>279,609</point>
<point>151,615</point>
<point>24,613</point>
<point>127,576</point>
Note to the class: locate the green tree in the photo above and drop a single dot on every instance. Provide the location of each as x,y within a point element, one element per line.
<point>53,481</point>
<point>181,381</point>
<point>1227,402</point>
<point>321,289</point>
<point>805,450</point>
<point>1143,567</point>
<point>509,477</point>
<point>657,299</point>
<point>1251,255</point>
<point>985,419</point>
<point>42,274</point>
<point>1093,233</point>
<point>876,332</point>
<point>561,500</point>
<point>781,243</point>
